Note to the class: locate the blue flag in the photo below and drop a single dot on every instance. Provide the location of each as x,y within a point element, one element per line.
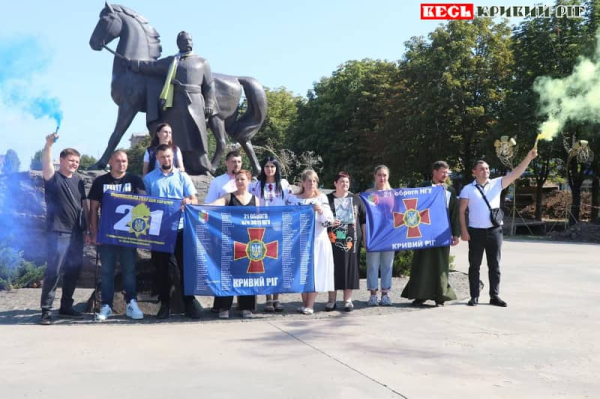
<point>139,221</point>
<point>407,218</point>
<point>243,250</point>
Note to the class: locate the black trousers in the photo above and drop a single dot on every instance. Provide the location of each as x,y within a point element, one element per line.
<point>65,258</point>
<point>169,270</point>
<point>245,302</point>
<point>490,242</point>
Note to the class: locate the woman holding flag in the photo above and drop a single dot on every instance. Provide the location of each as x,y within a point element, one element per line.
<point>240,197</point>
<point>271,190</point>
<point>323,256</point>
<point>384,259</point>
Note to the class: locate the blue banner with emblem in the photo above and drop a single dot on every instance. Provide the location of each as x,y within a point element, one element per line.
<point>245,250</point>
<point>139,221</point>
<point>407,218</point>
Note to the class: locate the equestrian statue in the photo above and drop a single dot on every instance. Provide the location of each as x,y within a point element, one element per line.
<point>180,90</point>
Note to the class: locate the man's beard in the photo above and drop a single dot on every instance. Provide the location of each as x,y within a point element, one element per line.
<point>165,166</point>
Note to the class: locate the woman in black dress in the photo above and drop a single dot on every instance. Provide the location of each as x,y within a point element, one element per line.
<point>346,238</point>
<point>240,197</point>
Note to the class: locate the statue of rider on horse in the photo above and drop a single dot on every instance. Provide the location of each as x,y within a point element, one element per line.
<point>184,87</point>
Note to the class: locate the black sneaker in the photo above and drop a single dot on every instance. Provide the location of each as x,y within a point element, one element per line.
<point>193,309</point>
<point>46,318</point>
<point>70,314</point>
<point>164,312</point>
<point>498,302</point>
<point>473,301</point>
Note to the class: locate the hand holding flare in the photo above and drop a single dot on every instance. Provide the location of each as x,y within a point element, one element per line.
<point>540,136</point>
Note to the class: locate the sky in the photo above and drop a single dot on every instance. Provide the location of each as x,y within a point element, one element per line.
<point>49,71</point>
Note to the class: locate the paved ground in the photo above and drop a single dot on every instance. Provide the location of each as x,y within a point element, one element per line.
<point>543,345</point>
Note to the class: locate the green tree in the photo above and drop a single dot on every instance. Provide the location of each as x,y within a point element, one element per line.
<point>135,156</point>
<point>36,161</point>
<point>536,41</point>
<point>11,162</point>
<point>85,161</point>
<point>342,119</point>
<point>456,85</point>
<point>282,113</point>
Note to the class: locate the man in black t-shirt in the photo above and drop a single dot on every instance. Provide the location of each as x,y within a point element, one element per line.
<point>66,210</point>
<point>117,180</point>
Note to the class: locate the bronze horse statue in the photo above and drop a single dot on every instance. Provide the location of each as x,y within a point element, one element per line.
<point>135,93</point>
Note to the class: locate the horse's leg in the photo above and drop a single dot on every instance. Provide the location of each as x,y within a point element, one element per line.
<point>124,119</point>
<point>217,125</point>
<point>247,146</point>
<point>196,163</point>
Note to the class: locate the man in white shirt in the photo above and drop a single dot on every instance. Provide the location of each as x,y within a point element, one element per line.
<point>225,183</point>
<point>482,235</point>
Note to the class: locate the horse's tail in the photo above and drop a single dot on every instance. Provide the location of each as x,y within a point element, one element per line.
<point>250,122</point>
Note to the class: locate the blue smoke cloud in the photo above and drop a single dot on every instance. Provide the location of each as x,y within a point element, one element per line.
<point>23,58</point>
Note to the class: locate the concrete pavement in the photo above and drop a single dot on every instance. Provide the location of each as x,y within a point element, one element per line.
<point>543,345</point>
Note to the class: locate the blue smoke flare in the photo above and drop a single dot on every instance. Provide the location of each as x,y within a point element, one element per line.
<point>22,59</point>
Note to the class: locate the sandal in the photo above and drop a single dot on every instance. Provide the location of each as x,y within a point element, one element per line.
<point>269,306</point>
<point>330,306</point>
<point>277,306</point>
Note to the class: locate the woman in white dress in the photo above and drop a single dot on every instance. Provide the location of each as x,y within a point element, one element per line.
<point>271,190</point>
<point>323,255</point>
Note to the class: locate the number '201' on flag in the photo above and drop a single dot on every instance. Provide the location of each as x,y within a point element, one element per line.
<point>139,221</point>
<point>407,218</point>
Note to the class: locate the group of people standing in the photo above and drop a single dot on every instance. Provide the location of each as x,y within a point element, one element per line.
<point>340,219</point>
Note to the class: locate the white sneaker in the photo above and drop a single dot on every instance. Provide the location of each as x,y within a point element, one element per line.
<point>223,314</point>
<point>134,311</point>
<point>386,301</point>
<point>373,301</point>
<point>105,313</point>
<point>247,314</point>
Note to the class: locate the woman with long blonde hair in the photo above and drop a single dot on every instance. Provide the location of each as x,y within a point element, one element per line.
<point>309,194</point>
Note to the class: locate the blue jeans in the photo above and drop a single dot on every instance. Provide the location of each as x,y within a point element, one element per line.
<point>64,258</point>
<point>108,257</point>
<point>386,261</point>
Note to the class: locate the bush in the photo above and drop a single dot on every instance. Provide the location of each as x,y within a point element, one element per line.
<point>402,261</point>
<point>16,272</point>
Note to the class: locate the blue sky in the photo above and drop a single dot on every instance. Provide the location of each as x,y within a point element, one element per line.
<point>46,56</point>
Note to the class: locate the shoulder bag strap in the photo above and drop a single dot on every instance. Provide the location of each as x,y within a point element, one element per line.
<point>483,195</point>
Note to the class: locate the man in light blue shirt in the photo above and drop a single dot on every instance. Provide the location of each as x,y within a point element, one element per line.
<point>168,182</point>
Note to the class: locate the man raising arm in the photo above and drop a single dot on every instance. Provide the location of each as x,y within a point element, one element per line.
<point>481,234</point>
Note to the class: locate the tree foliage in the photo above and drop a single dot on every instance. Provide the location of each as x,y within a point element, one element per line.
<point>135,156</point>
<point>86,160</point>
<point>11,162</point>
<point>342,119</point>
<point>282,114</point>
<point>36,161</point>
